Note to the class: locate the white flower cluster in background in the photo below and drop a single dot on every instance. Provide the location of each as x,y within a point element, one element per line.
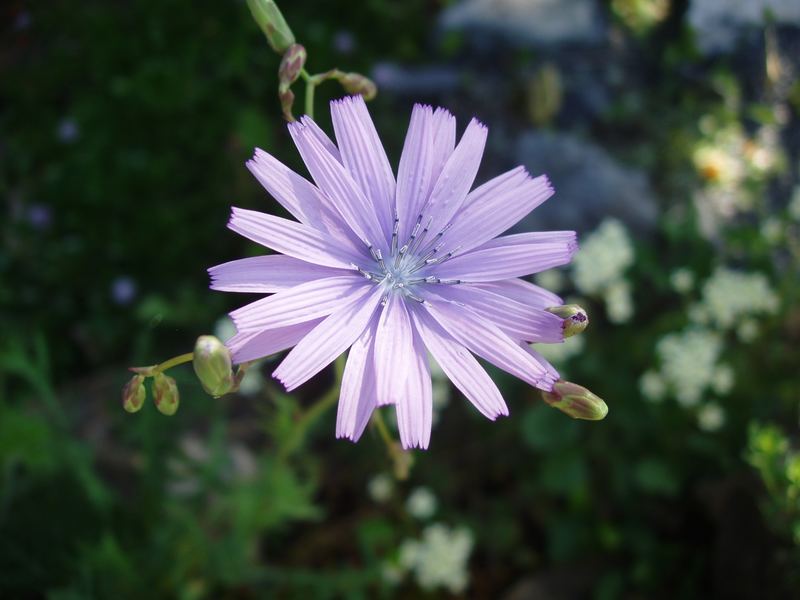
<point>689,363</point>
<point>727,160</point>
<point>599,268</point>
<point>439,559</point>
<point>732,298</point>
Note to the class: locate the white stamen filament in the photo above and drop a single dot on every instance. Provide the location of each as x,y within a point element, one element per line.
<point>412,256</point>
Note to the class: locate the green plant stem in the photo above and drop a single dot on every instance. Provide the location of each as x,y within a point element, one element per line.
<point>313,413</point>
<point>310,99</point>
<point>174,362</point>
<point>311,84</point>
<point>380,425</point>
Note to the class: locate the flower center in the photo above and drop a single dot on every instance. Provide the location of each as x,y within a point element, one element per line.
<point>401,271</point>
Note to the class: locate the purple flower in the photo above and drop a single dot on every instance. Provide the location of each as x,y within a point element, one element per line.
<point>394,268</point>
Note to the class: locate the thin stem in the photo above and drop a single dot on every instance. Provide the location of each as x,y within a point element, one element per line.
<point>402,460</point>
<point>174,362</point>
<point>380,425</point>
<point>310,86</point>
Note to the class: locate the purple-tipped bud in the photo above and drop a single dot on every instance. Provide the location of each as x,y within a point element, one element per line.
<point>134,394</point>
<point>576,401</point>
<point>166,394</point>
<point>286,97</point>
<point>212,365</point>
<point>293,61</point>
<point>272,23</point>
<point>355,83</point>
<point>575,318</point>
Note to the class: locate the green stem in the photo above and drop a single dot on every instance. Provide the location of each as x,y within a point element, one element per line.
<point>310,416</point>
<point>310,85</point>
<point>380,425</point>
<point>174,362</point>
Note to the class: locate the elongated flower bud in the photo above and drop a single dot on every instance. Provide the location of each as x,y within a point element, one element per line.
<point>166,394</point>
<point>575,318</point>
<point>134,394</point>
<point>269,18</point>
<point>286,97</point>
<point>293,61</point>
<point>576,401</point>
<point>212,365</point>
<point>356,83</point>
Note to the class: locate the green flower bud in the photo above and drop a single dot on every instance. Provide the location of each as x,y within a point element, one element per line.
<point>293,61</point>
<point>287,100</point>
<point>576,401</point>
<point>166,394</point>
<point>355,83</point>
<point>269,18</point>
<point>575,318</point>
<point>134,394</point>
<point>212,365</point>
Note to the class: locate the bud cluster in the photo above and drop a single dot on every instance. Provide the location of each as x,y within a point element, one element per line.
<point>293,59</point>
<point>212,365</point>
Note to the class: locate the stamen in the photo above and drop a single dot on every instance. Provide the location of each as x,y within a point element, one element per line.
<point>395,231</point>
<point>379,257</point>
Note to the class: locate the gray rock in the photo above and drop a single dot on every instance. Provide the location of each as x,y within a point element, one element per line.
<point>718,24</point>
<point>536,22</point>
<point>590,185</point>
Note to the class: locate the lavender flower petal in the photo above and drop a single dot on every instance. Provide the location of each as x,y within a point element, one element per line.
<point>364,157</point>
<point>461,367</point>
<point>267,274</point>
<point>328,340</point>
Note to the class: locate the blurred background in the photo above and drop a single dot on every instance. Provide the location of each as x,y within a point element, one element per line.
<point>670,129</point>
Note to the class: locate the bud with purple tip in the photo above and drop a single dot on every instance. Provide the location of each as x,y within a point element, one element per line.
<point>212,365</point>
<point>576,401</point>
<point>134,394</point>
<point>356,83</point>
<point>165,390</point>
<point>575,318</point>
<point>293,61</point>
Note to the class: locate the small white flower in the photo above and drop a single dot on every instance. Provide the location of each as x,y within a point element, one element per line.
<point>652,386</point>
<point>380,488</point>
<point>729,295</point>
<point>682,280</point>
<point>603,258</point>
<point>619,302</point>
<point>722,382</point>
<point>747,331</point>
<point>440,558</point>
<point>711,417</point>
<point>688,362</point>
<point>421,503</point>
